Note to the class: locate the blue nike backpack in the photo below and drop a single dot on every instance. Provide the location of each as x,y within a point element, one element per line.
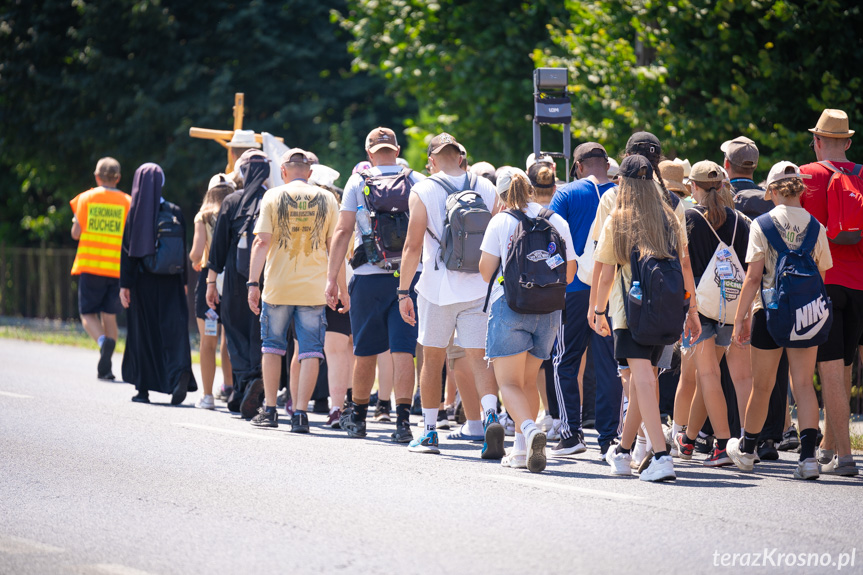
<point>802,314</point>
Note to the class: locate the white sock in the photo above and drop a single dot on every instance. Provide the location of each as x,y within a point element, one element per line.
<point>473,427</point>
<point>527,427</point>
<point>702,435</point>
<point>100,341</point>
<point>648,444</point>
<point>430,418</point>
<point>489,403</point>
<point>675,429</point>
<point>333,409</point>
<point>520,442</point>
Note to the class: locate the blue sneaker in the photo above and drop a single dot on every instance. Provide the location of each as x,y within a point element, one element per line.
<point>492,448</point>
<point>425,444</point>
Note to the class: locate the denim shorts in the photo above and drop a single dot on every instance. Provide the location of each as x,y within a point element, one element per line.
<point>309,322</point>
<point>711,329</point>
<point>510,333</point>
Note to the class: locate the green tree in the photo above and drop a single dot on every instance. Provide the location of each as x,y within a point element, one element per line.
<point>81,80</point>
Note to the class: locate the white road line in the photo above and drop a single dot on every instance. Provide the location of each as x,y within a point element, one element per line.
<point>573,488</point>
<point>227,431</point>
<point>112,569</point>
<point>18,546</point>
<point>18,395</point>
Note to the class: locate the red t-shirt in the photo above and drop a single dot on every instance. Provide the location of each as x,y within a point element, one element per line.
<point>847,267</point>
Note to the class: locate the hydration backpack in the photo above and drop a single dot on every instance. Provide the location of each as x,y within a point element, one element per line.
<point>467,217</point>
<point>658,317</point>
<point>844,204</point>
<point>170,255</point>
<point>386,199</point>
<point>534,274</point>
<point>801,314</point>
<point>719,288</point>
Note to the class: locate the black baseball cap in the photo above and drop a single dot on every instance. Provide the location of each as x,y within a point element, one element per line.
<point>643,142</point>
<point>636,167</point>
<point>589,150</point>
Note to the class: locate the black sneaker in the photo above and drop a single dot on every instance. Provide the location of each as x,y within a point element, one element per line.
<point>103,370</point>
<point>790,440</point>
<point>442,421</point>
<point>402,434</point>
<point>353,427</point>
<point>235,399</point>
<point>321,406</point>
<point>345,415</point>
<point>767,450</point>
<point>181,389</point>
<point>142,397</point>
<point>300,422</point>
<point>572,445</point>
<point>382,412</point>
<point>253,398</point>
<point>266,419</point>
<point>704,444</point>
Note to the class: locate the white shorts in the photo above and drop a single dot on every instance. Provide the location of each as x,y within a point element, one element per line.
<point>437,323</point>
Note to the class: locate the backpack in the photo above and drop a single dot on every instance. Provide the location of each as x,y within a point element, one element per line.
<point>659,316</point>
<point>170,255</point>
<point>534,277</point>
<point>584,272</point>
<point>801,314</point>
<point>386,199</point>
<point>844,204</point>
<point>719,287</point>
<point>466,219</point>
<point>244,245</point>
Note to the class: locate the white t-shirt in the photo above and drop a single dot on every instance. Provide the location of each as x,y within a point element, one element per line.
<point>498,239</point>
<point>353,199</point>
<point>443,286</point>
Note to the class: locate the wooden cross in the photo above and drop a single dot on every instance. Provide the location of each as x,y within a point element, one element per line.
<point>222,137</point>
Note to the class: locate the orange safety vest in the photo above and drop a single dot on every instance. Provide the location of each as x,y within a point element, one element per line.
<point>101,213</point>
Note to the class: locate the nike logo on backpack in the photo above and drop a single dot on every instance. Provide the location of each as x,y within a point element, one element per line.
<point>811,318</point>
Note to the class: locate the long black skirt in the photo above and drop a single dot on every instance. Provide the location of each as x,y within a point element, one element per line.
<point>158,352</point>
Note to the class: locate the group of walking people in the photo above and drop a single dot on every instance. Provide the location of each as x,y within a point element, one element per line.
<point>538,301</point>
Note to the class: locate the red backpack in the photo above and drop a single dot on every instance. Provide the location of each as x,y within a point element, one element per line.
<point>844,204</point>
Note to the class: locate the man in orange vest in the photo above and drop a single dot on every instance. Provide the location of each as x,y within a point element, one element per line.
<point>100,216</point>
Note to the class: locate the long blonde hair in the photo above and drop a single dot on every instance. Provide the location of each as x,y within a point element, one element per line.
<point>643,220</point>
<point>213,202</point>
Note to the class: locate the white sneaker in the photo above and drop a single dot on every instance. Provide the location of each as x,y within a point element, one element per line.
<point>507,423</point>
<point>661,469</point>
<point>743,461</point>
<point>206,402</point>
<point>807,469</point>
<point>536,460</point>
<point>544,422</point>
<point>553,434</point>
<point>639,451</point>
<point>514,459</point>
<point>619,462</point>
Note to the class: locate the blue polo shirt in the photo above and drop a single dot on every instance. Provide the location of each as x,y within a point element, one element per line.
<point>577,202</point>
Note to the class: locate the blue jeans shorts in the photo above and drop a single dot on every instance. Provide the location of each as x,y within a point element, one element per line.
<point>711,329</point>
<point>510,333</point>
<point>310,325</point>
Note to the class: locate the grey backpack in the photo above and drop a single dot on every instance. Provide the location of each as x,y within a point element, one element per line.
<point>467,218</point>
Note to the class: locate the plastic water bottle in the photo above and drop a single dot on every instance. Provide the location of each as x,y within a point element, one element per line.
<point>635,290</point>
<point>769,296</point>
<point>365,225</point>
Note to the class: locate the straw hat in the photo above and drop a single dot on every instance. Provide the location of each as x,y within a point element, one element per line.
<point>832,124</point>
<point>672,174</point>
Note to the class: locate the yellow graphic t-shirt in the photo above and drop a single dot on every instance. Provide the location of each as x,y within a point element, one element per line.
<point>302,219</point>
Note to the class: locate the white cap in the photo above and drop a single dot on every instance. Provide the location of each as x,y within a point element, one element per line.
<point>323,175</point>
<point>545,159</point>
<point>244,139</point>
<point>504,178</point>
<point>221,180</point>
<point>613,167</point>
<point>783,171</point>
<point>687,167</point>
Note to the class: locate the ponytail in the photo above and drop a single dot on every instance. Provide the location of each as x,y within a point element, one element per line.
<point>519,193</point>
<point>716,199</point>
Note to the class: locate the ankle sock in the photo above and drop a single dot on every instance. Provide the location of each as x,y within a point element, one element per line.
<point>430,418</point>
<point>350,396</point>
<point>489,404</point>
<point>270,408</point>
<point>808,438</point>
<point>621,449</point>
<point>659,454</point>
<point>473,427</point>
<point>101,340</point>
<point>361,410</point>
<point>749,442</point>
<point>520,442</point>
<point>403,413</point>
<point>721,443</point>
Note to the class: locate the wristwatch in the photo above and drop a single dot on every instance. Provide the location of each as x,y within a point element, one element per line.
<point>403,291</point>
<point>252,284</point>
<point>597,312</point>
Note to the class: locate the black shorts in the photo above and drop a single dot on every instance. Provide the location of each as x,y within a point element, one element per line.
<point>338,322</point>
<point>847,324</point>
<point>98,294</point>
<point>627,348</point>
<point>201,306</point>
<point>760,338</point>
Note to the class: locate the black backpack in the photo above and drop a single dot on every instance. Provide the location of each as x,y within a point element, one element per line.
<point>659,316</point>
<point>244,245</point>
<point>534,277</point>
<point>386,198</point>
<point>170,255</point>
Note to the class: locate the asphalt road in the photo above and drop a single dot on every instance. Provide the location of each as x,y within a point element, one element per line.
<point>91,483</point>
